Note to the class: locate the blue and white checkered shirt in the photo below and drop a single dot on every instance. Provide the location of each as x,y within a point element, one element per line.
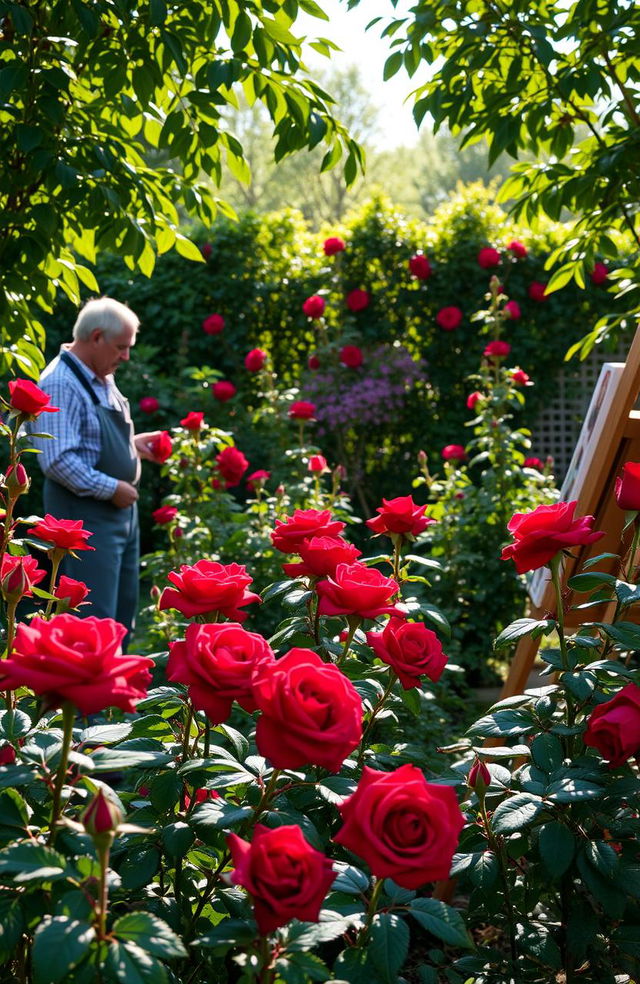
<point>71,457</point>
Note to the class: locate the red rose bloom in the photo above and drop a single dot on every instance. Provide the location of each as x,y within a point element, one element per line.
<point>200,796</point>
<point>536,463</point>
<point>479,777</point>
<point>77,660</point>
<point>400,516</point>
<point>333,245</point>
<point>410,649</point>
<point>223,390</point>
<point>149,404</point>
<point>488,257</point>
<point>518,249</point>
<point>71,591</point>
<point>537,291</point>
<point>541,534</point>
<point>599,275</point>
<point>292,531</point>
<point>404,827</point>
<point>314,306</point>
<point>208,587</point>
<point>255,360</point>
<point>206,249</point>
<point>213,325</point>
<point>232,465</point>
<point>217,662</point>
<point>257,478</point>
<point>420,267</point>
<point>357,300</point>
<point>164,515</point>
<point>285,877</point>
<point>320,557</point>
<point>18,575</point>
<point>302,410</point>
<point>627,489</point>
<point>193,421</point>
<point>28,398</point>
<point>7,755</point>
<point>311,713</point>
<point>614,727</point>
<point>513,310</point>
<point>497,350</point>
<point>351,356</point>
<point>318,463</point>
<point>313,362</point>
<point>357,590</point>
<point>102,816</point>
<point>473,398</point>
<point>520,377</point>
<point>162,447</point>
<point>62,534</point>
<point>454,452</point>
<point>449,318</point>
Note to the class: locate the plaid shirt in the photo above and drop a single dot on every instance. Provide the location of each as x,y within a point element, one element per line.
<point>71,457</point>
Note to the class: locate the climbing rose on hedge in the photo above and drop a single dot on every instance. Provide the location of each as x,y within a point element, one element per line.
<point>403,827</point>
<point>410,649</point>
<point>420,267</point>
<point>62,534</point>
<point>497,350</point>
<point>400,516</point>
<point>488,257</point>
<point>320,556</point>
<point>627,489</point>
<point>449,318</point>
<point>223,390</point>
<point>78,660</point>
<point>26,397</point>
<point>351,356</point>
<point>454,452</point>
<point>357,590</point>
<point>255,360</point>
<point>302,410</point>
<point>541,534</point>
<point>285,877</point>
<point>193,421</point>
<point>209,587</point>
<point>314,306</point>
<point>232,465</point>
<point>213,325</point>
<point>148,404</point>
<point>357,300</point>
<point>292,531</point>
<point>333,245</point>
<point>311,712</point>
<point>613,728</point>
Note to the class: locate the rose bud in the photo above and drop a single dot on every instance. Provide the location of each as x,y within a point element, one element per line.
<point>101,820</point>
<point>16,480</point>
<point>7,755</point>
<point>479,777</point>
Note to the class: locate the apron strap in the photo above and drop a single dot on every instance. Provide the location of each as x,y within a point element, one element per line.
<point>80,376</point>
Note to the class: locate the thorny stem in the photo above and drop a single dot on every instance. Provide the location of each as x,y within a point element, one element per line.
<point>103,905</point>
<point>371,911</point>
<point>187,732</point>
<point>392,679</point>
<point>68,717</point>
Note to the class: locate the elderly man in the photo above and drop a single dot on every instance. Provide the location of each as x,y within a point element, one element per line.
<point>93,464</point>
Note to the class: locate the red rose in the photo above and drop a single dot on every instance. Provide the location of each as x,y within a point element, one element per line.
<point>16,480</point>
<point>302,410</point>
<point>62,534</point>
<point>28,398</point>
<point>77,660</point>
<point>320,556</point>
<point>255,360</point>
<point>404,827</point>
<point>518,249</point>
<point>497,350</point>
<point>7,755</point>
<point>351,356</point>
<point>314,306</point>
<point>206,249</point>
<point>18,575</point>
<point>216,662</point>
<point>311,713</point>
<point>479,777</point>
<point>285,877</point>
<point>70,591</point>
<point>512,309</point>
<point>520,377</point>
<point>627,489</point>
<point>162,447</point>
<point>164,515</point>
<point>232,465</point>
<point>317,463</point>
<point>313,362</point>
<point>614,727</point>
<point>257,479</point>
<point>102,816</point>
<point>454,452</point>
<point>410,649</point>
<point>534,463</point>
<point>599,275</point>
<point>541,534</point>
<point>213,325</point>
<point>488,257</point>
<point>200,796</point>
<point>149,404</point>
<point>449,318</point>
<point>223,390</point>
<point>193,421</point>
<point>357,590</point>
<point>357,300</point>
<point>292,531</point>
<point>208,587</point>
<point>333,245</point>
<point>400,516</point>
<point>420,267</point>
<point>473,398</point>
<point>537,291</point>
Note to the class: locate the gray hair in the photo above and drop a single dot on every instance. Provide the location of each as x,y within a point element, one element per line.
<point>107,314</point>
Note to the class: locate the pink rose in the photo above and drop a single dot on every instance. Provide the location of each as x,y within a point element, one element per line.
<point>70,591</point>
<point>317,463</point>
<point>257,479</point>
<point>536,463</point>
<point>62,534</point>
<point>18,575</point>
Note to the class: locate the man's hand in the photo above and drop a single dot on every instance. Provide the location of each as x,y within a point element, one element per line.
<point>124,495</point>
<point>144,444</point>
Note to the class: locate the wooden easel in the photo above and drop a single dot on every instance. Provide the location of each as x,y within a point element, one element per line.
<point>619,442</point>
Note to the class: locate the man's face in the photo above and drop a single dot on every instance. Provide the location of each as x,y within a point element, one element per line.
<point>108,353</point>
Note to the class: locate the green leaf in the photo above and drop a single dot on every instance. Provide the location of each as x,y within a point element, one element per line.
<point>626,635</point>
<point>126,963</point>
<point>388,945</point>
<point>28,861</point>
<point>557,847</point>
<point>590,581</point>
<point>523,627</point>
<point>547,752</point>
<point>505,724</point>
<point>352,966</point>
<point>150,934</point>
<point>484,871</point>
<point>602,857</point>
<point>14,815</point>
<point>106,734</point>
<point>139,867</point>
<point>165,791</point>
<point>228,933</point>
<point>14,724</point>
<point>442,921</point>
<point>350,880</point>
<point>569,790</point>
<point>11,924</point>
<point>115,759</point>
<point>59,945</point>
<point>516,812</point>
<point>178,838</point>
<point>627,594</point>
